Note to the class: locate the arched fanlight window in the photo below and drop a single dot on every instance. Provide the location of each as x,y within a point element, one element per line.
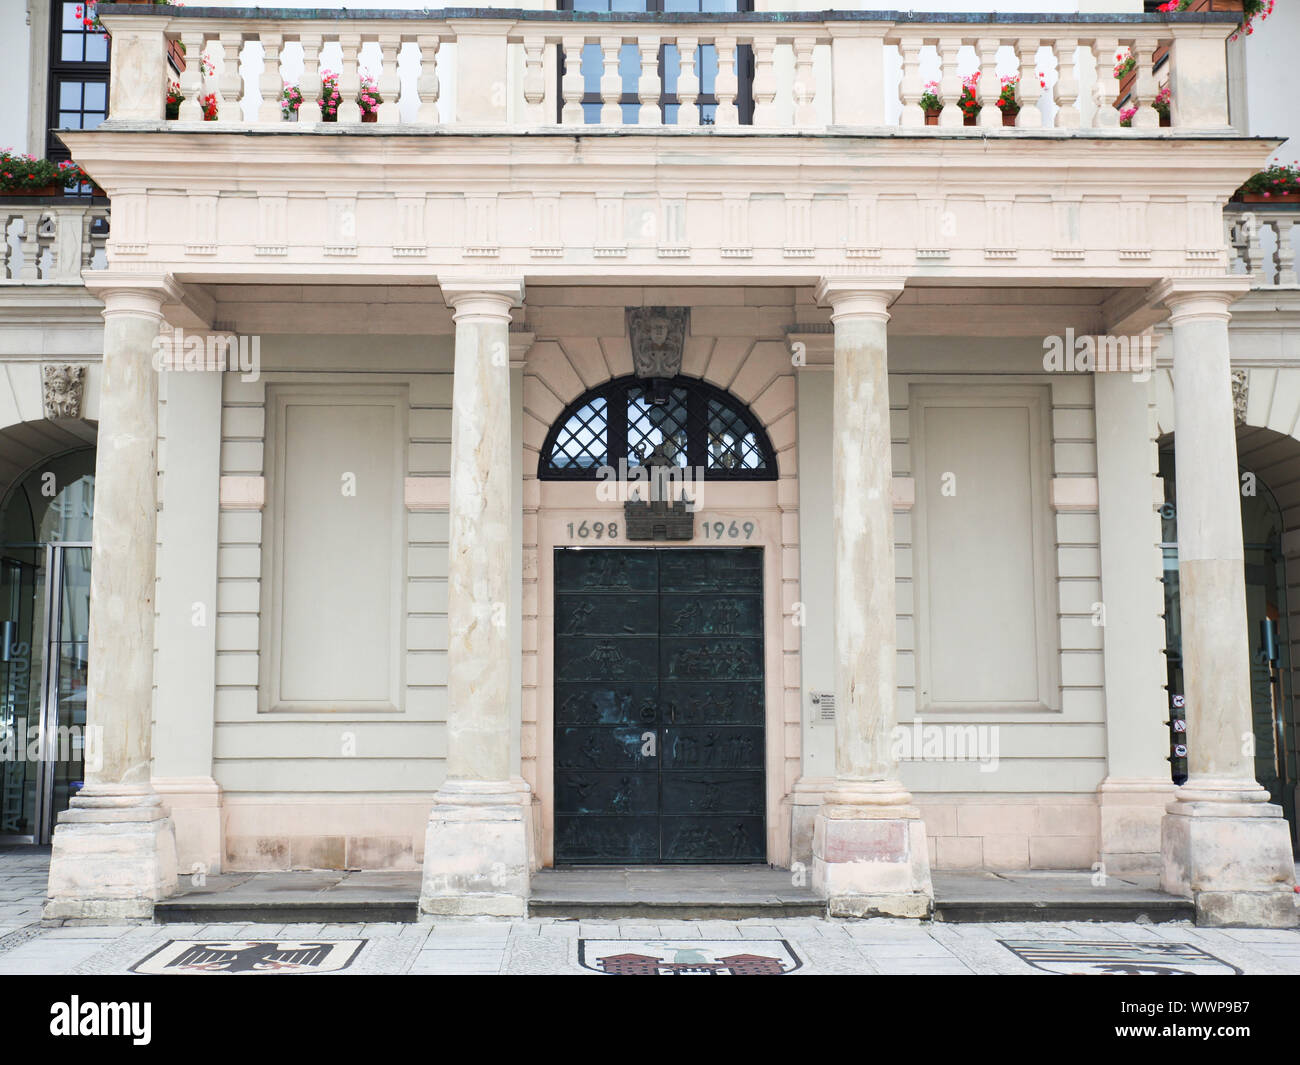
<point>683,420</point>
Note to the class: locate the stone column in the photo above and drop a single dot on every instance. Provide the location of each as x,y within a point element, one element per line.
<point>1138,785</point>
<point>114,852</point>
<point>1223,843</point>
<point>476,853</point>
<point>869,848</point>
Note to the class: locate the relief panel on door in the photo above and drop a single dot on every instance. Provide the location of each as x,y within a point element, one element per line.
<point>659,742</point>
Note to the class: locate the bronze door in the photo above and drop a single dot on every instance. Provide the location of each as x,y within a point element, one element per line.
<point>659,741</point>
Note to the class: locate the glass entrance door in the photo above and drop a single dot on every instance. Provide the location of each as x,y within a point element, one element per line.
<point>43,707</point>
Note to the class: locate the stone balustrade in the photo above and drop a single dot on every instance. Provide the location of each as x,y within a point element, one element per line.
<point>805,71</point>
<point>48,242</point>
<point>1263,239</point>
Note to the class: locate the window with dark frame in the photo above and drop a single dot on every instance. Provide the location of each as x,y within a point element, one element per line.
<point>629,64</point>
<point>684,420</point>
<point>78,74</point>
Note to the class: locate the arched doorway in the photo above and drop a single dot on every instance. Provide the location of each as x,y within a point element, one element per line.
<point>45,533</point>
<point>1267,460</point>
<point>659,667</point>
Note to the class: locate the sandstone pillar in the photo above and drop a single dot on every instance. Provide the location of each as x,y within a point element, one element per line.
<point>869,849</point>
<point>114,851</point>
<point>1138,785</point>
<point>1223,843</point>
<point>476,853</point>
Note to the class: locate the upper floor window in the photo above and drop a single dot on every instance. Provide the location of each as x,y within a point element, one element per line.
<point>78,93</point>
<point>684,421</point>
<point>629,64</point>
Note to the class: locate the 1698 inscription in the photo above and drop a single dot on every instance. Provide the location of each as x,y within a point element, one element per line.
<point>589,529</point>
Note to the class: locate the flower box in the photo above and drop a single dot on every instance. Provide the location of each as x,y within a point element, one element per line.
<point>1260,197</point>
<point>932,116</point>
<point>43,190</point>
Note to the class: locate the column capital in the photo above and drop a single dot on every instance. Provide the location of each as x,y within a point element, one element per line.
<point>858,297</point>
<point>138,295</point>
<point>1200,297</point>
<point>482,298</point>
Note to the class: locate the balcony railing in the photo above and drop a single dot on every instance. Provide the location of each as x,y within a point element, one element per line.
<point>51,241</point>
<point>758,71</point>
<point>1263,240</point>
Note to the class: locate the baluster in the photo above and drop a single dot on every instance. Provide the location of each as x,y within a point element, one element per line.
<point>98,240</point>
<point>805,83</point>
<point>49,232</point>
<point>535,82</point>
<point>1106,90</point>
<point>647,86</point>
<point>6,247</point>
<point>390,43</point>
<point>726,85</point>
<point>1066,90</point>
<point>230,84</point>
<point>990,88</point>
<point>1031,89</point>
<point>1232,237</point>
<point>764,81</point>
<point>611,82</point>
<point>1254,247</point>
<point>572,84</point>
<point>31,245</point>
<point>191,109</point>
<point>87,229</point>
<point>910,87</point>
<point>426,85</point>
<point>1286,271</point>
<point>688,83</point>
<point>349,78</point>
<point>949,83</point>
<point>271,86</point>
<point>1144,87</point>
<point>309,111</point>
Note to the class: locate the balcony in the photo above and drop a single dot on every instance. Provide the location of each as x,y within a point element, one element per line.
<point>50,240</point>
<point>770,72</point>
<point>1263,239</point>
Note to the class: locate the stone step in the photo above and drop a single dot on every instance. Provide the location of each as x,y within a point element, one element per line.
<point>286,911</point>
<point>1057,910</point>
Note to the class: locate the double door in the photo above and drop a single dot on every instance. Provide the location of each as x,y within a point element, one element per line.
<point>659,739</point>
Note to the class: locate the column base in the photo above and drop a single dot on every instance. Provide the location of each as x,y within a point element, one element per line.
<point>112,857</point>
<point>476,851</point>
<point>1131,810</point>
<point>871,860</point>
<point>1233,859</point>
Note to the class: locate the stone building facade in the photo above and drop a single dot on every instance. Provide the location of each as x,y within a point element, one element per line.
<point>374,398</point>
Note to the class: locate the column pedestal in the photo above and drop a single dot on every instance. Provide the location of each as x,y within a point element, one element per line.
<point>871,860</point>
<point>476,852</point>
<point>1233,859</point>
<point>113,856</point>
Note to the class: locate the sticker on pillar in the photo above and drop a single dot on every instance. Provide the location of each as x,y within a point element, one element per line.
<point>1083,958</point>
<point>250,956</point>
<point>688,957</point>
